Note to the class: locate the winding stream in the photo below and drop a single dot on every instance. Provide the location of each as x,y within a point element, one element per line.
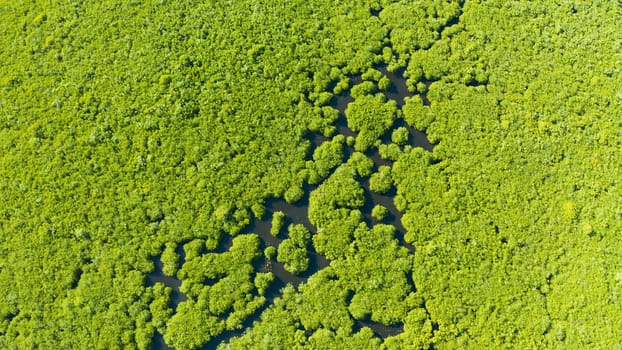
<point>296,213</point>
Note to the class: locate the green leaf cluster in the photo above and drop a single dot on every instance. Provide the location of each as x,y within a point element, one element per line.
<point>371,116</point>
<point>292,252</point>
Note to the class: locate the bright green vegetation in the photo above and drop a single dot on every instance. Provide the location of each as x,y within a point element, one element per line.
<point>292,251</point>
<point>381,181</point>
<point>278,221</point>
<point>221,291</point>
<point>361,164</point>
<point>400,136</point>
<point>129,129</point>
<point>270,252</point>
<point>333,210</point>
<point>170,259</point>
<point>379,212</point>
<point>325,158</point>
<point>371,116</point>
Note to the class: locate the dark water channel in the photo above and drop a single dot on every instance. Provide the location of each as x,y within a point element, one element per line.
<point>296,213</point>
<point>157,275</point>
<point>398,91</point>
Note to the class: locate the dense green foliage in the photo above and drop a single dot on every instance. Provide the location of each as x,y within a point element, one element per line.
<point>325,158</point>
<point>133,130</point>
<point>400,136</point>
<point>292,251</point>
<point>381,180</point>
<point>216,285</point>
<point>379,212</point>
<point>371,116</point>
<point>278,221</point>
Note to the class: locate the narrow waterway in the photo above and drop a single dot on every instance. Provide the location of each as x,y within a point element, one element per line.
<point>297,213</point>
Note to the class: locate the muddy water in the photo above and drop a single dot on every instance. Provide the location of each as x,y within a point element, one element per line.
<point>296,213</point>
